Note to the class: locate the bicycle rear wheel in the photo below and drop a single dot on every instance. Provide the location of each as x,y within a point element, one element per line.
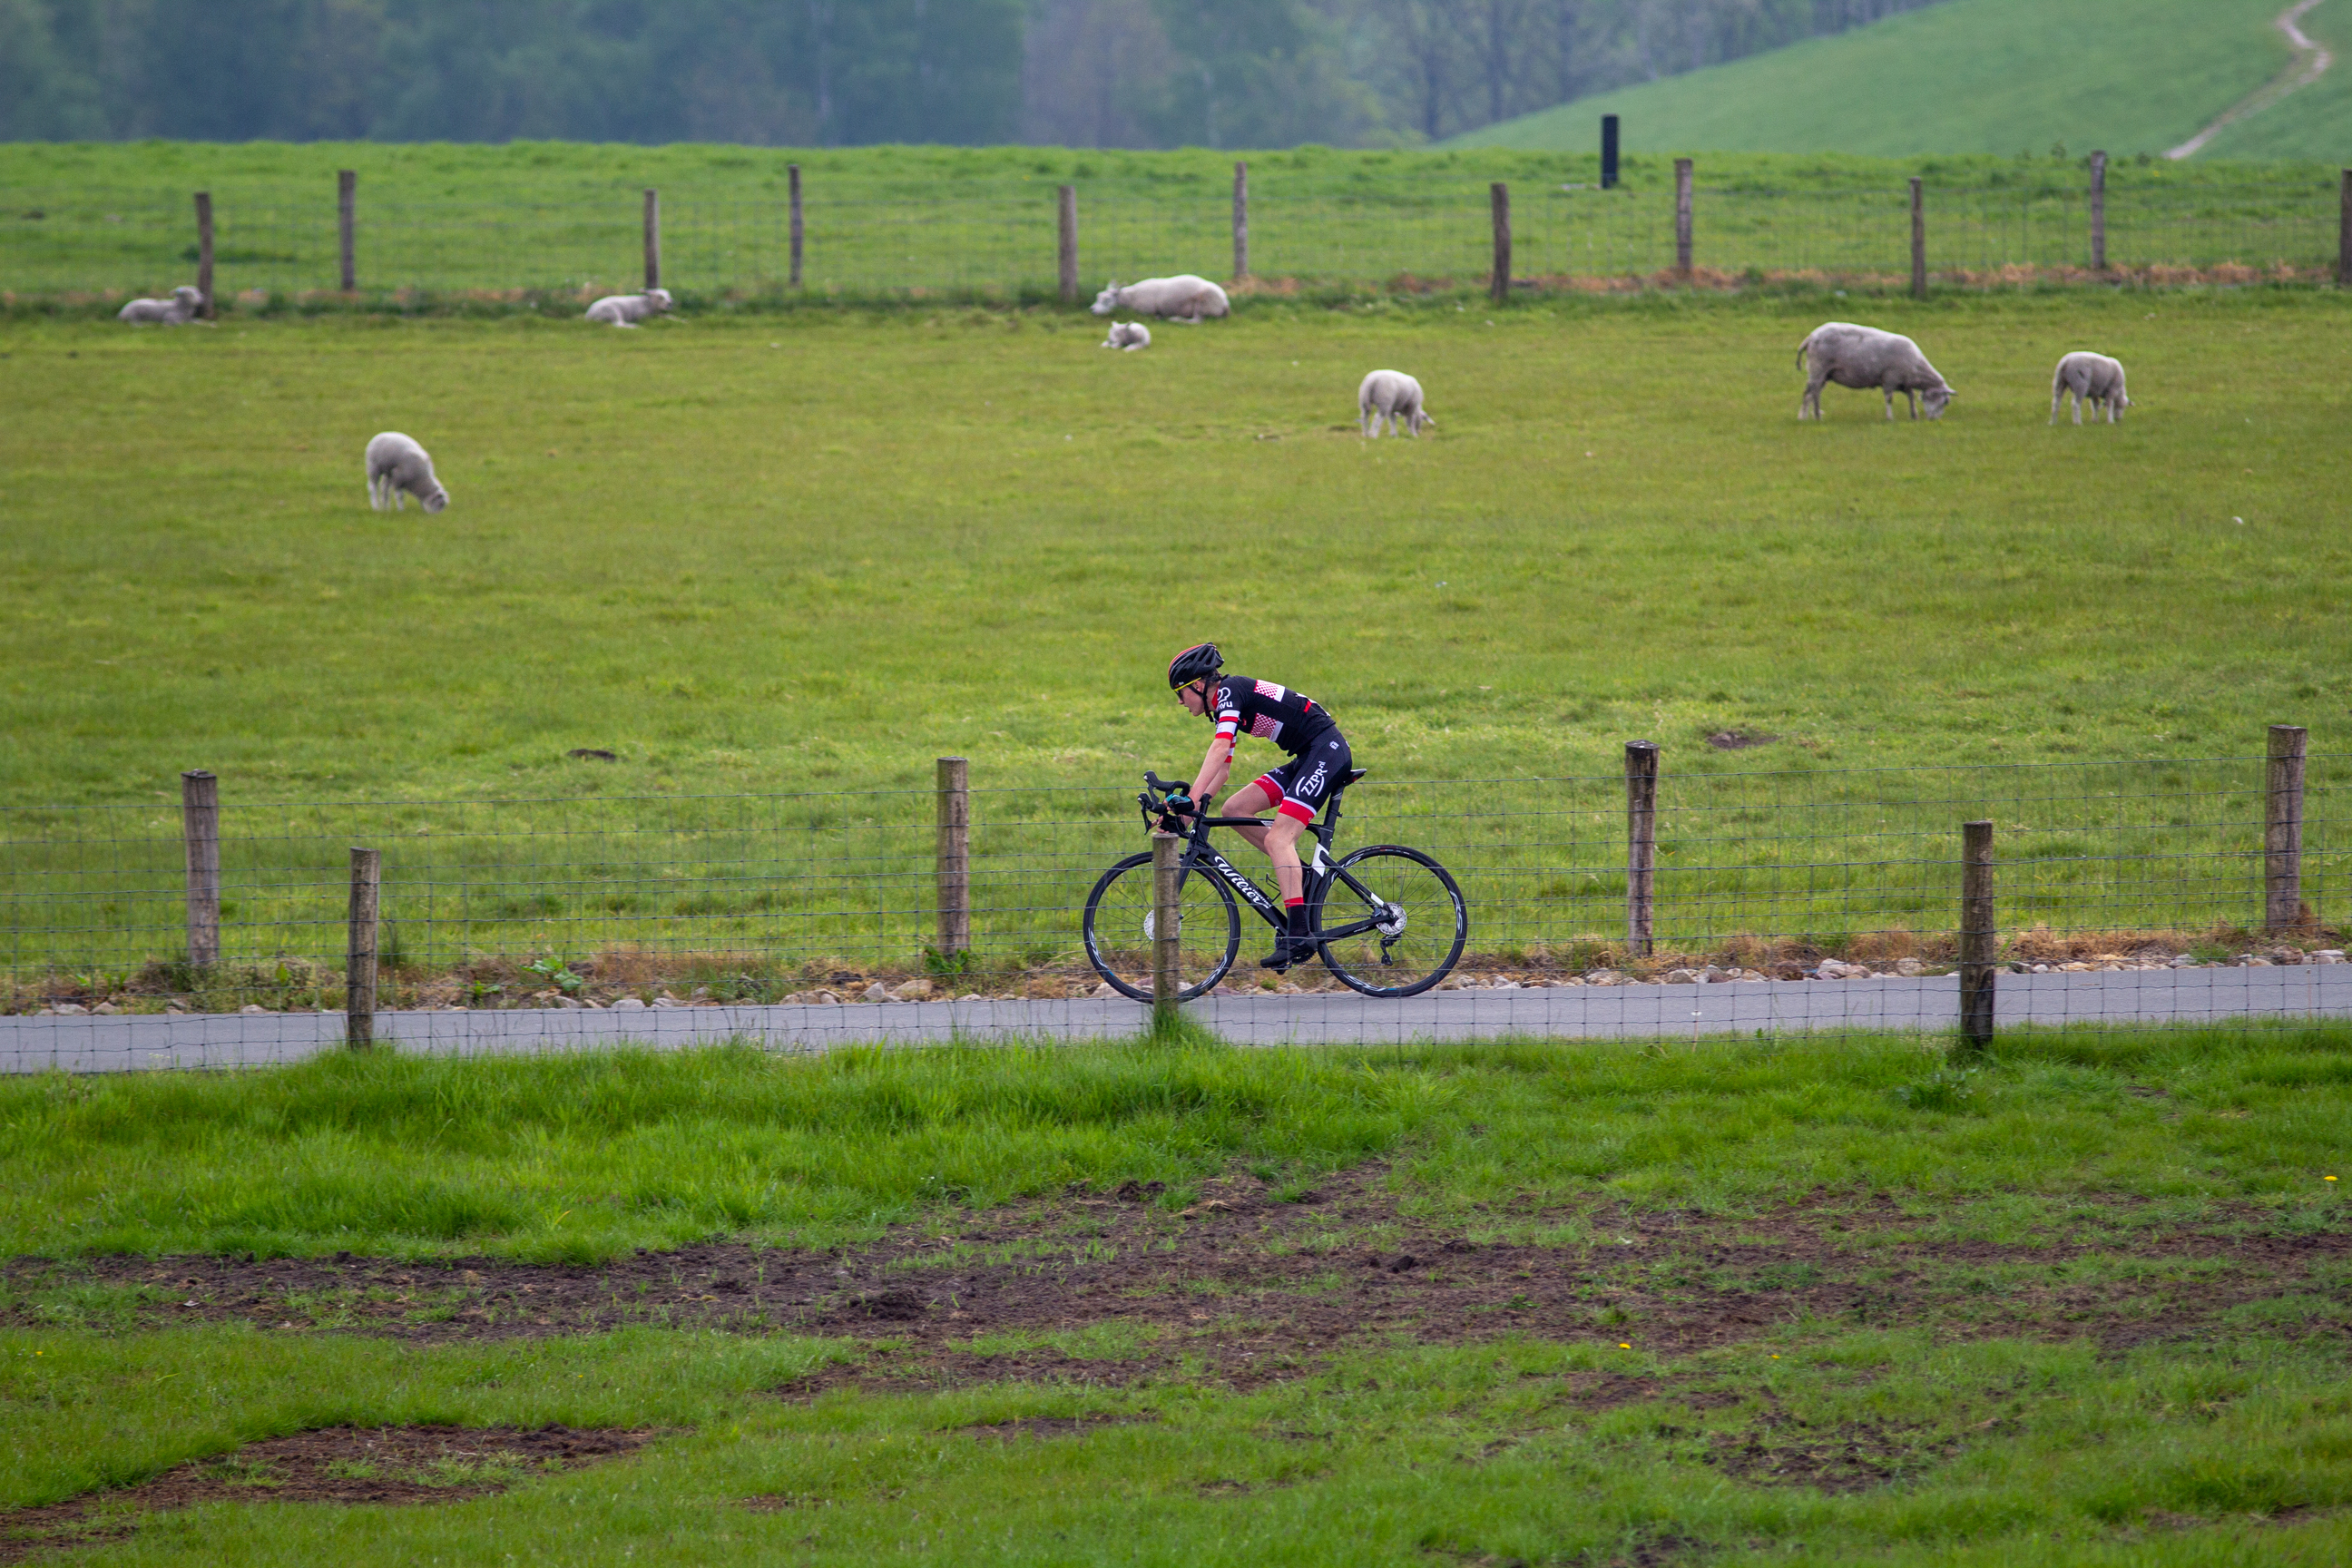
<point>1390,921</point>
<point>1118,930</point>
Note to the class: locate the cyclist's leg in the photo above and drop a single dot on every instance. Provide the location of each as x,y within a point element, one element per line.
<point>1306,781</point>
<point>1262,794</point>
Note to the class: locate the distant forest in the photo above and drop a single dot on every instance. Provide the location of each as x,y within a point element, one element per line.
<point>1101,73</point>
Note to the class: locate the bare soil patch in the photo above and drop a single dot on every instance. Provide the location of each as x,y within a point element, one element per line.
<point>342,1464</point>
<point>1115,1288</point>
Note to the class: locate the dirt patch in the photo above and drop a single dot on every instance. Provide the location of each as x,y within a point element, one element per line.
<point>1780,1451</point>
<point>1115,1289</point>
<point>335,1464</point>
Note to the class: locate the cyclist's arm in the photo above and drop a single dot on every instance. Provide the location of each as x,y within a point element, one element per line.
<point>1214,768</point>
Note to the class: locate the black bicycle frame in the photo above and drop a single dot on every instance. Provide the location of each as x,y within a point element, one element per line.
<point>1317,872</point>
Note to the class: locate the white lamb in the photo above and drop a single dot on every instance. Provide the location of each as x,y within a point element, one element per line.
<point>1392,395</point>
<point>176,311</point>
<point>1182,298</point>
<point>397,468</point>
<point>629,309</point>
<point>2092,378</point>
<point>1127,335</point>
<point>1865,357</point>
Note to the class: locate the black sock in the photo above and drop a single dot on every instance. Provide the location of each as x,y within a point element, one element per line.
<point>1298,921</point>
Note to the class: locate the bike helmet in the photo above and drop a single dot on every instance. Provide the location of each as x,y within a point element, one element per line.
<point>1199,662</point>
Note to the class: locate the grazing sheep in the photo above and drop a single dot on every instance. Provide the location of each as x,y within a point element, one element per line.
<point>629,309</point>
<point>1392,395</point>
<point>2092,378</point>
<point>1863,357</point>
<point>1127,335</point>
<point>397,468</point>
<point>1182,298</point>
<point>176,311</point>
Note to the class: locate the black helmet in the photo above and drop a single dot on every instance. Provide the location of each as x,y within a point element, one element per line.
<point>1198,662</point>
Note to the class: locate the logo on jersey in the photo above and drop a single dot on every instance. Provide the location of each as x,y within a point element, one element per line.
<point>1268,689</point>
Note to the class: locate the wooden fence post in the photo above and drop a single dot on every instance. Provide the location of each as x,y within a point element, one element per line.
<point>200,833</point>
<point>2344,234</point>
<point>1641,843</point>
<point>1608,151</point>
<point>205,250</point>
<point>653,240</point>
<point>955,855</point>
<point>2098,211</point>
<point>795,171</point>
<point>1166,933</point>
<point>2283,829</point>
<point>1499,197</point>
<point>1980,934</point>
<point>359,960</point>
<point>1683,216</point>
<point>1918,242</point>
<point>347,219</point>
<point>1066,256</point>
<point>1241,221</point>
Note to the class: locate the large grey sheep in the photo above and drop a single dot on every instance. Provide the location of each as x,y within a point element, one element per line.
<point>397,468</point>
<point>1863,357</point>
<point>629,309</point>
<point>1182,298</point>
<point>178,310</point>
<point>2092,378</point>
<point>1392,395</point>
<point>1127,335</point>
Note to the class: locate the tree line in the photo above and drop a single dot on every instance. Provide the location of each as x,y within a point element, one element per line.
<point>1109,73</point>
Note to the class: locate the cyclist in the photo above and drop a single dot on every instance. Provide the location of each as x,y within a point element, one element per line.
<point>1295,791</point>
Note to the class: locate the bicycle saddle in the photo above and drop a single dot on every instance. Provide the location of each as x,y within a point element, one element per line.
<point>1353,775</point>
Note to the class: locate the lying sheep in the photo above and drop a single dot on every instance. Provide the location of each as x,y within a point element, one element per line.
<point>1182,298</point>
<point>1865,357</point>
<point>1392,395</point>
<point>629,309</point>
<point>178,310</point>
<point>2092,378</point>
<point>1127,335</point>
<point>397,468</point>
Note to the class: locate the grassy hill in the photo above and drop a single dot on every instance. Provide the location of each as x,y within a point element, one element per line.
<point>1988,76</point>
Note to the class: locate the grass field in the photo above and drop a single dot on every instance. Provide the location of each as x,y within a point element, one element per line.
<point>1737,1304</point>
<point>2317,119</point>
<point>1978,76</point>
<point>811,552</point>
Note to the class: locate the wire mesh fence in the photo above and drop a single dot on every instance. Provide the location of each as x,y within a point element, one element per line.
<point>1796,899</point>
<point>999,236</point>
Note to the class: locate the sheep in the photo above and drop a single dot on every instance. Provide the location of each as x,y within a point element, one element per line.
<point>629,309</point>
<point>1127,335</point>
<point>1182,298</point>
<point>176,311</point>
<point>2092,378</point>
<point>1863,357</point>
<point>1392,395</point>
<point>397,468</point>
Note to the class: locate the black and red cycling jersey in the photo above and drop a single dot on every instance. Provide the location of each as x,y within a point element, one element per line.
<point>1289,719</point>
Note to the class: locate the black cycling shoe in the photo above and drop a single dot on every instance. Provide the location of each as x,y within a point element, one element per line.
<point>1286,952</point>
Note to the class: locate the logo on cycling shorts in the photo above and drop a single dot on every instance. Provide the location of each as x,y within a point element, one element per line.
<point>1312,784</point>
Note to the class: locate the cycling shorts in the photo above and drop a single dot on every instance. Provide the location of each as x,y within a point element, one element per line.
<point>1301,785</point>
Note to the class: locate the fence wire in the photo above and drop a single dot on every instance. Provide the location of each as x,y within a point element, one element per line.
<point>1812,899</point>
<point>999,236</point>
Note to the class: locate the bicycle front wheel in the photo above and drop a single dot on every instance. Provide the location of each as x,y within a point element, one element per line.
<point>1390,922</point>
<point>1119,930</point>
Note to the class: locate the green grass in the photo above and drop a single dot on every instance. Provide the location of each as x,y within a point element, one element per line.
<point>583,1157</point>
<point>2315,121</point>
<point>1970,76</point>
<point>2075,1160</point>
<point>811,552</point>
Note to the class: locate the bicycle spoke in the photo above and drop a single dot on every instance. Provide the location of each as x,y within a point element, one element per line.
<point>1120,924</point>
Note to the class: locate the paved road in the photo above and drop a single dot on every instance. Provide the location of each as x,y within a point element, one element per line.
<point>124,1044</point>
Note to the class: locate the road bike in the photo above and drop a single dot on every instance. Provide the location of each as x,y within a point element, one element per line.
<point>1388,920</point>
